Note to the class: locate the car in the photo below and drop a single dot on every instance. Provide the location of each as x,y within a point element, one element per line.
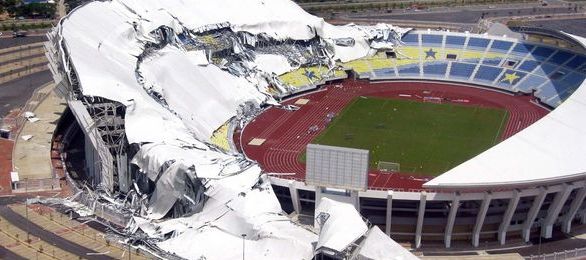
<point>18,34</point>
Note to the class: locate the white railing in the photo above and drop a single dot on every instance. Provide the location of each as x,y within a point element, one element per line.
<point>577,253</point>
<point>32,185</point>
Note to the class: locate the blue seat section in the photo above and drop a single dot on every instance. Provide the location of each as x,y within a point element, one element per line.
<point>364,75</point>
<point>510,78</point>
<point>571,80</point>
<point>576,62</point>
<point>455,41</point>
<point>522,49</point>
<point>410,70</point>
<point>492,61</point>
<point>386,72</point>
<point>477,43</point>
<point>461,70</point>
<point>528,65</point>
<point>531,82</point>
<point>555,91</point>
<point>500,46</point>
<point>435,69</point>
<point>471,61</point>
<point>541,53</point>
<point>431,40</point>
<point>560,57</point>
<point>411,39</point>
<point>548,94</point>
<point>567,94</point>
<point>545,69</point>
<point>487,74</point>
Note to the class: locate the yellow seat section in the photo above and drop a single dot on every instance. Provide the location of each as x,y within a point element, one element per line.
<point>360,65</point>
<point>220,137</point>
<point>492,55</point>
<point>367,64</point>
<point>408,55</point>
<point>465,55</point>
<point>298,78</point>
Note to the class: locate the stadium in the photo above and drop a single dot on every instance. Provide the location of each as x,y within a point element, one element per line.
<point>179,110</point>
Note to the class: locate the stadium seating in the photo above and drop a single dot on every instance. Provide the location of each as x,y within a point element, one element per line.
<point>497,62</point>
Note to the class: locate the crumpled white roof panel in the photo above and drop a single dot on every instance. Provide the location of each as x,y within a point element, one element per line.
<point>343,225</point>
<point>553,148</point>
<point>378,246</point>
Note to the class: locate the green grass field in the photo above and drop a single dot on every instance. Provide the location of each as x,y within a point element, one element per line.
<point>425,138</point>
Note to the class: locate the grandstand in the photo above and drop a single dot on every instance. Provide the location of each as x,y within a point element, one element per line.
<point>545,73</point>
<point>160,100</point>
<point>503,63</point>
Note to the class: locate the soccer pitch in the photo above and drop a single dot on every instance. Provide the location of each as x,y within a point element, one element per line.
<point>425,138</point>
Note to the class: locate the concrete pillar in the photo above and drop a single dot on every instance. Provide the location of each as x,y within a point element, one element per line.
<point>480,219</point>
<point>532,214</point>
<point>420,215</point>
<point>574,207</point>
<point>554,210</point>
<point>389,212</point>
<point>451,219</point>
<point>295,197</point>
<point>506,222</point>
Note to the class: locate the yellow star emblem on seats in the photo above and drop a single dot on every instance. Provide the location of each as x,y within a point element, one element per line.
<point>510,77</point>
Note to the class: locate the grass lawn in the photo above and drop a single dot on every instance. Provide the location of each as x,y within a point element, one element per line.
<point>425,138</point>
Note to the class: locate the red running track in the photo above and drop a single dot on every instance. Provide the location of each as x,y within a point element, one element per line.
<point>286,132</point>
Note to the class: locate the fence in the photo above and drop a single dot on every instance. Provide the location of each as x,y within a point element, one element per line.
<point>566,254</point>
<point>31,185</point>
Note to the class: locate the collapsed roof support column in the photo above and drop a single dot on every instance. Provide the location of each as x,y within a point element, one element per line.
<point>389,213</point>
<point>294,197</point>
<point>480,218</point>
<point>420,215</point>
<point>506,222</point>
<point>576,203</point>
<point>554,210</point>
<point>451,220</point>
<point>537,202</point>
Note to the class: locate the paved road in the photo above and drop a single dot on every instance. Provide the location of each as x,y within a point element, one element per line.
<point>24,57</point>
<point>573,26</point>
<point>11,42</point>
<point>7,254</point>
<point>15,93</point>
<point>52,238</point>
<point>469,15</point>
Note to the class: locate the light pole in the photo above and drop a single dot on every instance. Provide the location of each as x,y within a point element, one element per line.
<point>26,208</point>
<point>243,241</point>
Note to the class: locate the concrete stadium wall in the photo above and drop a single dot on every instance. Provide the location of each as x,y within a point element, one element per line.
<point>422,216</point>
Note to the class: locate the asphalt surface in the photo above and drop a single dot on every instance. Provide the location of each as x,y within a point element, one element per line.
<point>15,93</point>
<point>23,69</point>
<point>573,26</point>
<point>6,254</point>
<point>52,238</point>
<point>469,15</point>
<point>24,57</point>
<point>11,42</point>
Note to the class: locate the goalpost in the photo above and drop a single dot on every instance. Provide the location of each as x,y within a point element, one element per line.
<point>384,166</point>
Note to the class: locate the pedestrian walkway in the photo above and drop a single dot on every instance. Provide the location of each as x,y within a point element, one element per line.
<point>39,232</point>
<point>72,230</point>
<point>17,245</point>
<point>32,157</point>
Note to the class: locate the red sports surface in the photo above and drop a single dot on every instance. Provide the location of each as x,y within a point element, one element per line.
<point>287,135</point>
